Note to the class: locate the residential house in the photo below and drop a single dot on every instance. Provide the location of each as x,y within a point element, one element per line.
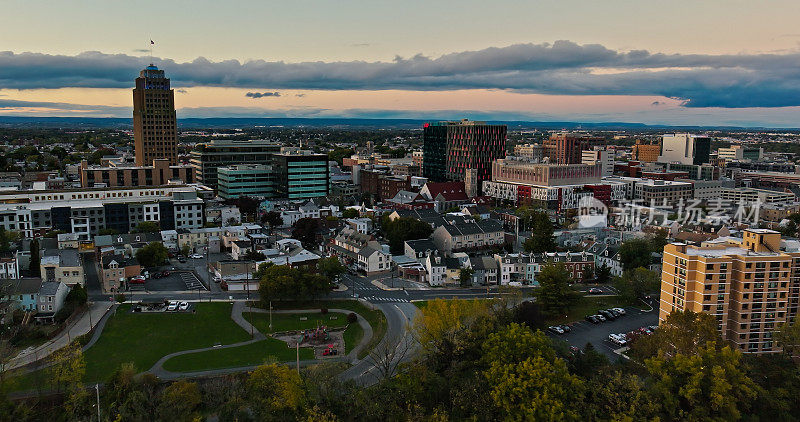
<point>607,255</point>
<point>235,275</point>
<point>240,248</point>
<point>51,299</point>
<point>116,270</point>
<point>348,243</point>
<point>9,268</point>
<point>291,252</point>
<point>468,236</point>
<point>170,239</point>
<point>361,225</point>
<point>372,260</point>
<point>419,249</point>
<point>436,270</point>
<point>62,265</point>
<point>21,293</point>
<point>484,269</point>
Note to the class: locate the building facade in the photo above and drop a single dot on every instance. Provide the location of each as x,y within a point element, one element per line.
<point>452,148</point>
<point>685,148</point>
<point>160,173</point>
<point>207,158</point>
<point>253,180</point>
<point>750,286</point>
<point>155,128</point>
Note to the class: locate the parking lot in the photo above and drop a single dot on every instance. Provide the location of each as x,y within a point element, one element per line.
<point>175,281</point>
<point>586,332</point>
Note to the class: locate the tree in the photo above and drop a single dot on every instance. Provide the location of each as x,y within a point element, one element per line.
<point>35,269</point>
<point>603,274</point>
<point>618,397</point>
<point>527,381</point>
<point>788,336</point>
<point>146,227</point>
<point>7,238</point>
<point>274,390</point>
<point>465,276</point>
<point>541,239</point>
<point>635,253</point>
<point>331,268</point>
<point>708,384</point>
<point>555,295</point>
<point>280,282</point>
<point>186,249</point>
<point>67,367</point>
<point>636,283</point>
<point>442,322</point>
<point>350,213</point>
<point>254,256</point>
<point>399,230</point>
<point>179,401</point>
<point>683,332</point>
<point>272,219</point>
<point>305,230</point>
<point>152,255</point>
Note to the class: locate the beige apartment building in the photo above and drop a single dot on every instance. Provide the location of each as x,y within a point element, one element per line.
<point>750,286</point>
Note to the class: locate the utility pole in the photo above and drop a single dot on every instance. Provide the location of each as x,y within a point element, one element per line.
<point>97,389</point>
<point>270,316</point>
<point>298,356</point>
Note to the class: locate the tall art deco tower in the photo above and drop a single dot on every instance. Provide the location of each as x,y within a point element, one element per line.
<point>154,124</point>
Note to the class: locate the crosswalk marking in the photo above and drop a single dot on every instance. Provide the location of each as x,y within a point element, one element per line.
<point>386,299</point>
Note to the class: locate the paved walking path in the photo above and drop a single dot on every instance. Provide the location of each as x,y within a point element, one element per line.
<point>96,313</point>
<point>236,314</point>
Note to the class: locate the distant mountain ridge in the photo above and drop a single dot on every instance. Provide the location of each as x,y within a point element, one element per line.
<point>356,123</point>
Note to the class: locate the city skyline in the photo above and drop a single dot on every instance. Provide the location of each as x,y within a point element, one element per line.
<point>682,64</point>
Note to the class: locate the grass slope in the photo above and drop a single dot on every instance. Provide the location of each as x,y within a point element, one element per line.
<point>234,357</point>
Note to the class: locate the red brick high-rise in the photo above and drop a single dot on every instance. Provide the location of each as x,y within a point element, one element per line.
<point>566,148</point>
<point>154,123</point>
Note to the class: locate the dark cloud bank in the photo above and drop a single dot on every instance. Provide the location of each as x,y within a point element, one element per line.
<point>563,67</point>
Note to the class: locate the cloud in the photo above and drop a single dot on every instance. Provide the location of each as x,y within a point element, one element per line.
<point>562,67</point>
<point>361,44</point>
<point>262,94</point>
<point>8,105</point>
<point>181,91</point>
<point>300,95</point>
<point>141,50</point>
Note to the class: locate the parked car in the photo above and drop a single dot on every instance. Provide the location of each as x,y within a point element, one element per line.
<point>566,328</point>
<point>196,256</point>
<point>593,319</point>
<point>595,291</point>
<point>172,307</point>
<point>137,280</point>
<point>614,312</point>
<point>555,329</point>
<point>601,317</point>
<point>181,260</point>
<point>608,315</point>
<point>183,306</point>
<point>618,339</point>
<point>620,310</point>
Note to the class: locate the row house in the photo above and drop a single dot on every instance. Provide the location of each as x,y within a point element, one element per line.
<point>468,236</point>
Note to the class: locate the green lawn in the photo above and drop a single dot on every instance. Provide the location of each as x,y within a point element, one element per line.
<point>588,305</point>
<point>292,322</point>
<point>144,338</point>
<point>352,336</point>
<point>421,304</point>
<point>376,319</point>
<point>234,357</point>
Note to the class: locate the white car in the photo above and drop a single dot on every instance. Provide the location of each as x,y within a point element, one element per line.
<point>618,339</point>
<point>183,306</point>
<point>620,310</point>
<point>172,307</point>
<point>196,256</point>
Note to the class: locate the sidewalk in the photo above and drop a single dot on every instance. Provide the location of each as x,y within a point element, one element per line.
<point>78,328</point>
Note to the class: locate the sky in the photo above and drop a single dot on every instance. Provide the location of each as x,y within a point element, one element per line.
<point>710,62</point>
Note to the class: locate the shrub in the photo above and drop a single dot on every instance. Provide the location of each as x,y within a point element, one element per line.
<point>119,297</point>
<point>352,318</point>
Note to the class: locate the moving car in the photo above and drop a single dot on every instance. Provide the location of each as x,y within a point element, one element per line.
<point>595,291</point>
<point>196,256</point>
<point>181,260</point>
